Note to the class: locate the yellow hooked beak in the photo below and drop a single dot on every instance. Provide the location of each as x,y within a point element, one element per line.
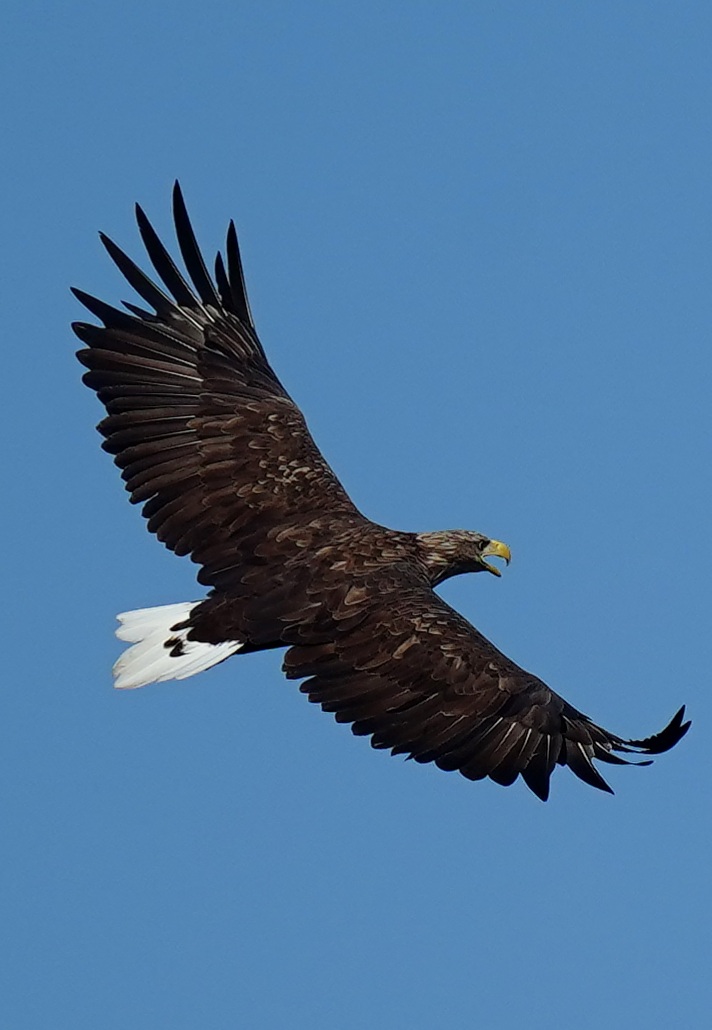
<point>498,550</point>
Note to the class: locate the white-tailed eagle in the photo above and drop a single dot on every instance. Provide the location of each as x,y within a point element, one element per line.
<point>212,446</point>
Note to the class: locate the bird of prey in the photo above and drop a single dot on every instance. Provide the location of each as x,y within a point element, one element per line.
<point>210,443</point>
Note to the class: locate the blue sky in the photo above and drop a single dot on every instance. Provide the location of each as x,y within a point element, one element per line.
<point>477,239</point>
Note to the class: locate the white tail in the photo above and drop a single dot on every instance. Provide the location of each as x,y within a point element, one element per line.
<point>161,653</point>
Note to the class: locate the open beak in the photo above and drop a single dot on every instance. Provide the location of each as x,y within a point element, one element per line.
<point>498,550</point>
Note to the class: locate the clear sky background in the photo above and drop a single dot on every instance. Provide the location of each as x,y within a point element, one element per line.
<point>478,243</point>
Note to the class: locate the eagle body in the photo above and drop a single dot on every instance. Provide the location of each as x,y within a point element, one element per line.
<point>318,576</point>
<point>211,445</point>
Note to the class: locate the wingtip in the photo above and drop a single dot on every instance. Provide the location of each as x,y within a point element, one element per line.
<point>176,192</point>
<point>680,715</point>
<point>142,219</point>
<point>179,205</point>
<point>83,297</point>
<point>677,718</point>
<point>111,248</point>
<point>667,738</point>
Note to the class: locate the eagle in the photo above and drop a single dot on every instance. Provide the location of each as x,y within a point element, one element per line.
<point>213,447</point>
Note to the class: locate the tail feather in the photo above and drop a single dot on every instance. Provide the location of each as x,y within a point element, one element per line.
<point>162,652</point>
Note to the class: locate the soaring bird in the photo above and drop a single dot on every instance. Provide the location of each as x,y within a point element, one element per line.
<point>220,457</point>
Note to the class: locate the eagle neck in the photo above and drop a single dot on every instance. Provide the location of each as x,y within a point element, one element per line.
<point>445,554</point>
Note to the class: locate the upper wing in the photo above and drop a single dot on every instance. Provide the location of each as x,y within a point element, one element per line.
<point>420,680</point>
<point>201,427</point>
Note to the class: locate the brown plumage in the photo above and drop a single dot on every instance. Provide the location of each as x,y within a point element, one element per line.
<point>220,457</point>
